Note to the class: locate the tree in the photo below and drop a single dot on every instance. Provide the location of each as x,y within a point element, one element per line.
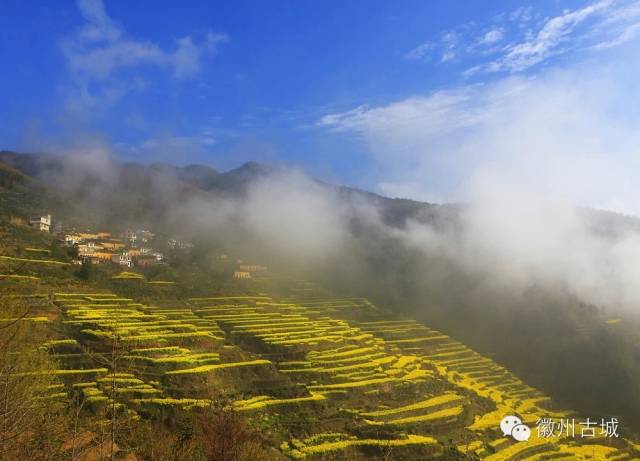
<point>86,270</point>
<point>32,424</point>
<point>224,435</point>
<point>73,251</point>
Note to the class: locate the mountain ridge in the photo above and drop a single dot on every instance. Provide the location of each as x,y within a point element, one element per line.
<point>197,178</point>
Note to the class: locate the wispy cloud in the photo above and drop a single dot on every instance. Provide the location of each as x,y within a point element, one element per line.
<point>623,25</point>
<point>521,151</point>
<point>525,128</point>
<point>492,36</point>
<point>629,33</point>
<point>420,51</point>
<point>449,44</point>
<point>521,16</point>
<point>547,40</point>
<point>444,49</point>
<point>101,49</point>
<point>519,40</point>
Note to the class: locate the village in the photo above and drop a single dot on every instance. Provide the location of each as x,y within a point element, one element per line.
<point>132,248</point>
<point>129,249</point>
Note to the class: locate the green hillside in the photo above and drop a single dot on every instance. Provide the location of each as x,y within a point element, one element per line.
<point>309,376</point>
<point>186,361</point>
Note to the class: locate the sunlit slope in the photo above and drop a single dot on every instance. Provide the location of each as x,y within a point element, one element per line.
<point>322,377</point>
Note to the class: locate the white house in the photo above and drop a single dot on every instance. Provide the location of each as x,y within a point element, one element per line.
<point>86,248</point>
<point>42,223</point>
<point>124,259</point>
<point>71,239</point>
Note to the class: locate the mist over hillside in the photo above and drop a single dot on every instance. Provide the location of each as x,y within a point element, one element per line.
<point>321,231</point>
<point>530,282</point>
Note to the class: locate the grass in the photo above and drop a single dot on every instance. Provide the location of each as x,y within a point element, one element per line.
<point>446,415</point>
<point>258,403</point>
<point>125,275</point>
<point>27,319</point>
<point>375,363</point>
<point>37,261</point>
<point>59,342</point>
<point>85,295</point>
<point>428,404</point>
<point>210,368</point>
<point>86,371</point>
<point>19,277</point>
<point>303,450</point>
<point>352,385</point>
<point>38,250</point>
<point>171,402</point>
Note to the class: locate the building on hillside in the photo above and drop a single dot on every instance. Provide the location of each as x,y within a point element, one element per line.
<point>86,248</point>
<point>112,244</point>
<point>241,275</point>
<point>179,244</point>
<point>145,236</point>
<point>71,239</point>
<point>252,268</point>
<point>131,237</point>
<point>92,235</point>
<point>139,237</point>
<point>102,256</point>
<point>42,223</point>
<point>123,259</point>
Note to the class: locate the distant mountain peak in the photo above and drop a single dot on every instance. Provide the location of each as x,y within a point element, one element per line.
<point>253,166</point>
<point>250,170</point>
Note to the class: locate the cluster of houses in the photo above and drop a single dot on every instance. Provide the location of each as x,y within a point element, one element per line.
<point>247,271</point>
<point>132,249</point>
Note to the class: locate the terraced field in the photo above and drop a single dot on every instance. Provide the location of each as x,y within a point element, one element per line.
<point>322,377</point>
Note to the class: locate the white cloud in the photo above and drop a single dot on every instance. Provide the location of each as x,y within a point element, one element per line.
<point>521,152</point>
<point>521,16</point>
<point>296,216</point>
<point>101,48</point>
<point>518,41</point>
<point>562,132</point>
<point>99,25</point>
<point>492,36</point>
<point>545,43</point>
<point>449,44</point>
<point>622,25</point>
<point>445,47</point>
<point>420,52</point>
<point>628,33</point>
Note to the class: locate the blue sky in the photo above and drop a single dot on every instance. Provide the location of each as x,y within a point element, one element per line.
<point>405,98</point>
